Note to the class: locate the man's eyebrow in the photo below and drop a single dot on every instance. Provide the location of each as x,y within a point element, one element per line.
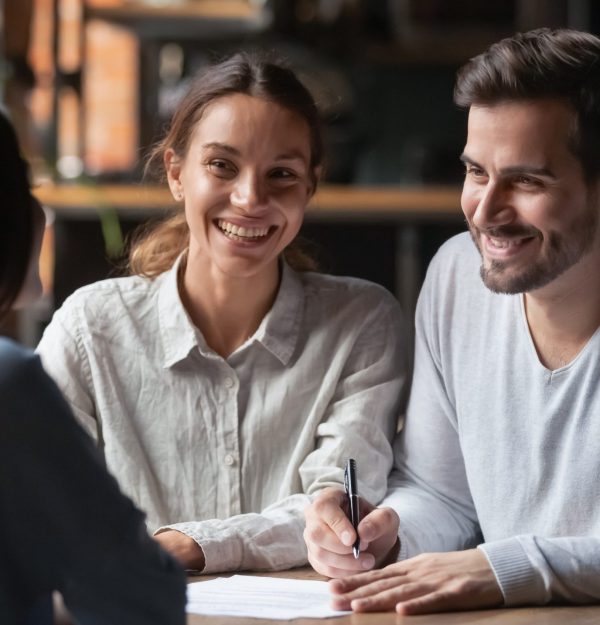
<point>514,169</point>
<point>465,159</point>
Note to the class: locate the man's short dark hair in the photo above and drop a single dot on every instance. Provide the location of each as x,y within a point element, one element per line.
<point>542,63</point>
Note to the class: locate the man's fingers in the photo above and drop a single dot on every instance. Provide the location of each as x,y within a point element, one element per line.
<point>432,582</point>
<point>338,565</point>
<point>319,535</point>
<point>380,523</point>
<point>364,580</point>
<point>328,508</point>
<point>426,604</point>
<point>382,602</point>
<point>384,595</point>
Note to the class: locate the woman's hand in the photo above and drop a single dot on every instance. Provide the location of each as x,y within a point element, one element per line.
<point>329,535</point>
<point>430,582</point>
<point>183,548</point>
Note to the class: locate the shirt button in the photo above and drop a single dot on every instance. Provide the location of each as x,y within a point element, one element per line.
<point>229,460</point>
<point>228,382</point>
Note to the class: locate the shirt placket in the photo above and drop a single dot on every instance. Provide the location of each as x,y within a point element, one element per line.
<point>230,454</point>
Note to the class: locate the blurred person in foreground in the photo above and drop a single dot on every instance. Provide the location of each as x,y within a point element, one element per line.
<point>64,525</point>
<point>495,499</point>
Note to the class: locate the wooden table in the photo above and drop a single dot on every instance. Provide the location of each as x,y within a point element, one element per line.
<point>588,615</point>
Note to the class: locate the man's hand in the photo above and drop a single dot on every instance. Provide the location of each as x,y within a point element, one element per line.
<point>431,582</point>
<point>329,535</point>
<point>182,548</point>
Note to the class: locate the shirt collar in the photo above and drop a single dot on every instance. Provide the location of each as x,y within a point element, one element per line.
<point>178,333</point>
<point>278,331</point>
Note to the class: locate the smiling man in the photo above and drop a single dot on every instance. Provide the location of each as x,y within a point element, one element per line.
<point>496,491</point>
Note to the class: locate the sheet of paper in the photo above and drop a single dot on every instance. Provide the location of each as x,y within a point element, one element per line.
<point>261,597</point>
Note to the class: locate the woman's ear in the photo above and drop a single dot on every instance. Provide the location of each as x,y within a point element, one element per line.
<point>173,168</point>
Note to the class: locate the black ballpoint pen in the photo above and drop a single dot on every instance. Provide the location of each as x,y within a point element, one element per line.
<point>351,487</point>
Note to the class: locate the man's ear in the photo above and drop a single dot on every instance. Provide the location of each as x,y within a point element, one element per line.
<point>172,164</point>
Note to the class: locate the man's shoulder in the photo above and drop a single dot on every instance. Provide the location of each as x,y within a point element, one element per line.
<point>458,250</point>
<point>456,265</point>
<point>453,279</point>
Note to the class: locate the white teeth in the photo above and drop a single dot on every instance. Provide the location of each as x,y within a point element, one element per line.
<point>505,243</point>
<point>240,231</point>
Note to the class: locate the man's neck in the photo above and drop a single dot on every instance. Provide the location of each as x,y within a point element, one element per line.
<point>564,315</point>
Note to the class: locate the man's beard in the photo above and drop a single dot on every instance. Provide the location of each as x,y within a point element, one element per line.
<point>559,252</point>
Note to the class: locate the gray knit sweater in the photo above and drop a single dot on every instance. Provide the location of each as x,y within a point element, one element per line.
<point>497,450</point>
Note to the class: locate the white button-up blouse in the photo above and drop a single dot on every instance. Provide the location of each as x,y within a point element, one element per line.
<point>230,450</point>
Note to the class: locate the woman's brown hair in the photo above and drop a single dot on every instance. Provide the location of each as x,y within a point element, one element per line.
<point>155,250</point>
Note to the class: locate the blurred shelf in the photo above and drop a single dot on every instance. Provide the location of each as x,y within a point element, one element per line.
<point>331,202</point>
<point>184,19</point>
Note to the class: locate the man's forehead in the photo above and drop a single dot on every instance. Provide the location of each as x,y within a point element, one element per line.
<point>531,112</point>
<point>539,130</point>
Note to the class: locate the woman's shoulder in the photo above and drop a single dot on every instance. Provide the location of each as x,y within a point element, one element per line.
<point>345,289</point>
<point>109,298</point>
<point>348,299</point>
<point>114,287</point>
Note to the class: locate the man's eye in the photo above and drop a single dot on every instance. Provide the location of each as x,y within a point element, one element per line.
<point>475,172</point>
<point>526,180</point>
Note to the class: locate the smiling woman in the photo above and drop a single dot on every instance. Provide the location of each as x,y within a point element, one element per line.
<point>225,382</point>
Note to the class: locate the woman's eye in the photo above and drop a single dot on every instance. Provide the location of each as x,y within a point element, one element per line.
<point>221,167</point>
<point>283,174</point>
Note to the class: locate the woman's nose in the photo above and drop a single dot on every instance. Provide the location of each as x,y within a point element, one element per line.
<point>248,193</point>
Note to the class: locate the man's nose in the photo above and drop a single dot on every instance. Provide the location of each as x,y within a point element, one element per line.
<point>494,207</point>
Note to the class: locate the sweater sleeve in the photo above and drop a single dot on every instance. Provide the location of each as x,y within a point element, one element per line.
<point>428,487</point>
<point>65,523</point>
<point>535,570</point>
<point>359,422</point>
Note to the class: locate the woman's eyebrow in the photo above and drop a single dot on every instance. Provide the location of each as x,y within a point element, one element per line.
<point>221,146</point>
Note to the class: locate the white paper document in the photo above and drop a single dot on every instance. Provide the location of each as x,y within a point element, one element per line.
<point>261,597</point>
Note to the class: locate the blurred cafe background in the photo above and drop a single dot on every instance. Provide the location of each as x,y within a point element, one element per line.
<point>90,85</point>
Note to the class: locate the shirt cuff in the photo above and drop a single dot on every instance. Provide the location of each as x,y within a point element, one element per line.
<point>514,572</point>
<point>219,555</point>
